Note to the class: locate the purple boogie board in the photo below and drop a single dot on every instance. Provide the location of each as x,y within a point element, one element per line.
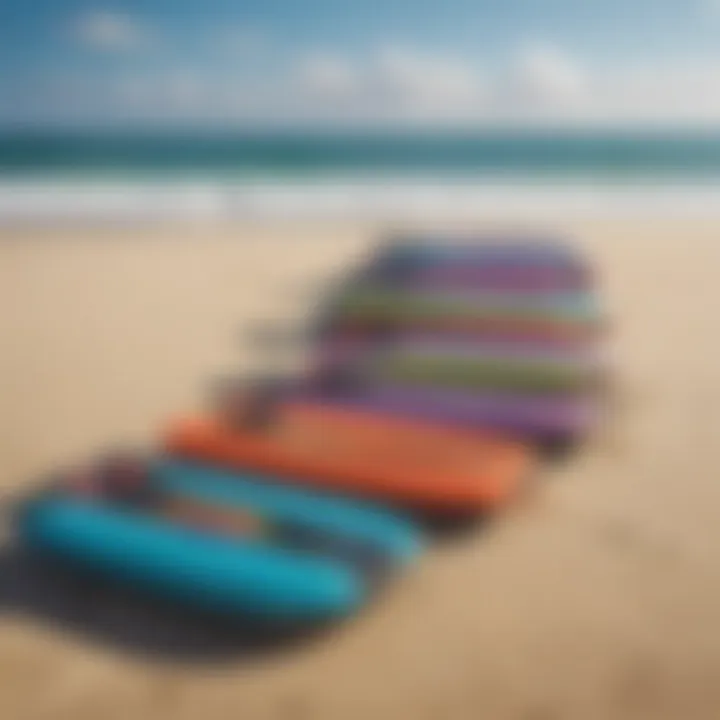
<point>546,418</point>
<point>511,265</point>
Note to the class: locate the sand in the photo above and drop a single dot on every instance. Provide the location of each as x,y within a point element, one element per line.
<point>597,598</point>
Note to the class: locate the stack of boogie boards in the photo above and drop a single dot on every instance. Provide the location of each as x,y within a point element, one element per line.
<point>269,506</point>
<point>490,335</point>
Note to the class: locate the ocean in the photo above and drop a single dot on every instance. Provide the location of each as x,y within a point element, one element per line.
<point>155,172</point>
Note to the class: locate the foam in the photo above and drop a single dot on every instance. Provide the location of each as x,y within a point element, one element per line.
<point>57,200</point>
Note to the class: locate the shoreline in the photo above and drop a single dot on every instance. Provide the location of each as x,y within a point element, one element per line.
<point>393,200</point>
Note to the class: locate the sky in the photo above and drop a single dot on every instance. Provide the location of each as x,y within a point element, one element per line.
<point>335,63</point>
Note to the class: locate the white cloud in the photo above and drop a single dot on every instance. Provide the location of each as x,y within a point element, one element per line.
<point>426,78</point>
<point>106,30</point>
<point>709,8</point>
<point>660,92</point>
<point>544,73</point>
<point>328,76</point>
<point>390,82</point>
<point>539,84</point>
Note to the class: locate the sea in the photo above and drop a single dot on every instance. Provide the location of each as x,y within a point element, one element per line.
<point>225,174</point>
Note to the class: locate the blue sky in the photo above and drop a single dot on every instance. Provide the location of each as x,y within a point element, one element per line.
<point>338,61</point>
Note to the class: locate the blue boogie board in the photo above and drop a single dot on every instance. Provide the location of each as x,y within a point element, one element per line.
<point>234,545</point>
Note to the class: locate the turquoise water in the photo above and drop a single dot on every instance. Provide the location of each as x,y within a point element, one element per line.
<point>608,156</point>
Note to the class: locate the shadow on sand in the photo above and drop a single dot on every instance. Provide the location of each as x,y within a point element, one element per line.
<point>33,586</point>
<point>36,587</point>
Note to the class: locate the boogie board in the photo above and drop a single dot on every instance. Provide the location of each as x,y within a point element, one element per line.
<point>509,264</point>
<point>407,304</point>
<point>380,307</point>
<point>505,248</point>
<point>544,418</point>
<point>446,321</point>
<point>224,542</point>
<point>515,367</point>
<point>411,463</point>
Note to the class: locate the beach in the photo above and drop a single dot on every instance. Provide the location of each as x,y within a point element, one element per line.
<point>596,598</point>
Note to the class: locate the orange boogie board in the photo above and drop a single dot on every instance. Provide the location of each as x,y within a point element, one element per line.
<point>437,469</point>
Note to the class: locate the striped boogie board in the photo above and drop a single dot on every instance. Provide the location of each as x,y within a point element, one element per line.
<point>474,365</point>
<point>566,317</point>
<point>546,418</point>
<point>509,264</point>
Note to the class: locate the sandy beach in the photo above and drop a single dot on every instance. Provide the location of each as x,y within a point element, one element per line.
<point>597,599</point>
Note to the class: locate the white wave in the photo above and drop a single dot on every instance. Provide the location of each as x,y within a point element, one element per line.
<point>102,200</point>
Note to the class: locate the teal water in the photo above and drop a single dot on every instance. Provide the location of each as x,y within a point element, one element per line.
<point>624,156</point>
